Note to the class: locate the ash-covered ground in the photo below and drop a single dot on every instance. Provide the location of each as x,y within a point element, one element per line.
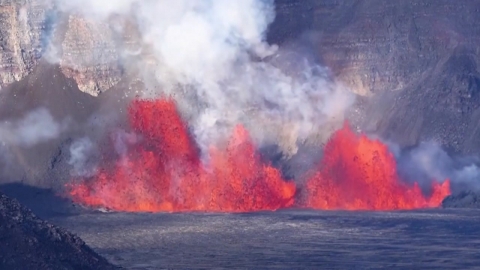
<point>289,239</point>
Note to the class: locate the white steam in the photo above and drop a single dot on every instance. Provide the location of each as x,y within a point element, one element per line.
<point>429,162</point>
<point>81,153</point>
<point>213,57</point>
<point>36,127</point>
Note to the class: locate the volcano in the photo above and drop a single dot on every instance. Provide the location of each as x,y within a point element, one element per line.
<point>219,107</point>
<point>162,171</point>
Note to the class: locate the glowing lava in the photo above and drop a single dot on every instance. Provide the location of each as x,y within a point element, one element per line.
<point>164,173</point>
<point>358,173</point>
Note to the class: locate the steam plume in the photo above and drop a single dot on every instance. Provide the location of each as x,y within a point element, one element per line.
<point>36,127</point>
<point>213,58</point>
<point>429,162</point>
<point>81,153</point>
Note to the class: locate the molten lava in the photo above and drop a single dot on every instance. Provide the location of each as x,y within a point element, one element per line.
<point>164,173</point>
<point>358,173</point>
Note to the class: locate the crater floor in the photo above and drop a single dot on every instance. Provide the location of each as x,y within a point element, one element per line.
<point>289,239</point>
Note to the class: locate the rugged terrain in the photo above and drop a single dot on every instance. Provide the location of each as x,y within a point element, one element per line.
<point>417,60</point>
<point>31,243</point>
<point>413,64</point>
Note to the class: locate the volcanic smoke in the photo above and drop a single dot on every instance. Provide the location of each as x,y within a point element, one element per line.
<point>162,172</point>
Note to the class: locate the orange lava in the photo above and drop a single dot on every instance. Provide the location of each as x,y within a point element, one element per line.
<point>164,172</point>
<point>358,173</point>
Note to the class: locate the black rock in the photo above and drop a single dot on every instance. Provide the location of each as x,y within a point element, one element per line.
<point>28,242</point>
<point>464,199</point>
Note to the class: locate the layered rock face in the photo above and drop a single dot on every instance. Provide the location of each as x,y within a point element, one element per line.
<point>23,28</point>
<point>431,58</point>
<point>373,46</point>
<point>90,55</point>
<point>378,45</point>
<point>416,60</point>
<point>414,63</point>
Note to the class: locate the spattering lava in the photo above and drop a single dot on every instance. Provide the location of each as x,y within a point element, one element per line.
<point>357,173</point>
<point>163,173</point>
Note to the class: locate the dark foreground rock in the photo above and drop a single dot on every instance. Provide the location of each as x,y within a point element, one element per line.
<point>465,199</point>
<point>28,242</point>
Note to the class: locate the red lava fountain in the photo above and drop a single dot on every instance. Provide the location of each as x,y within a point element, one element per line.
<point>163,173</point>
<point>358,173</point>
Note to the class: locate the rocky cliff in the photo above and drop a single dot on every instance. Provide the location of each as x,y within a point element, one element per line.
<point>377,45</point>
<point>23,29</point>
<point>415,61</point>
<point>410,56</point>
<point>90,55</point>
<point>414,64</point>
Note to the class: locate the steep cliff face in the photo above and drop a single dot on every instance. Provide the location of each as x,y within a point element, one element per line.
<point>373,45</point>
<point>378,45</point>
<point>90,55</point>
<point>23,28</point>
<point>415,60</point>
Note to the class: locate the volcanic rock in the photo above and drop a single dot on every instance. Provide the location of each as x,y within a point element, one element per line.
<point>23,27</point>
<point>416,60</point>
<point>31,243</point>
<point>90,55</point>
<point>380,45</point>
<point>414,64</point>
<point>444,106</point>
<point>404,54</point>
<point>464,199</point>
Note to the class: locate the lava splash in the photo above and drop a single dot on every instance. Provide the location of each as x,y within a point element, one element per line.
<point>358,173</point>
<point>163,173</point>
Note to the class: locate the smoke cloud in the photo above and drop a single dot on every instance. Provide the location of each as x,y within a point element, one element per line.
<point>82,152</point>
<point>36,127</point>
<point>429,162</point>
<point>212,57</point>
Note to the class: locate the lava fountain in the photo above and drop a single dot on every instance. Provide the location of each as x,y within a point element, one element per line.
<point>358,173</point>
<point>162,172</point>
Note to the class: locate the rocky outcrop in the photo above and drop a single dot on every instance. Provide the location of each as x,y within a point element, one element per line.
<point>415,63</point>
<point>378,45</point>
<point>373,46</point>
<point>444,106</point>
<point>90,55</point>
<point>31,243</point>
<point>465,199</point>
<point>409,56</point>
<point>23,27</point>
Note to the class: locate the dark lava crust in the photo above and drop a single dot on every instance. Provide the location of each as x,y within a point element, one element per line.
<point>464,199</point>
<point>27,242</point>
